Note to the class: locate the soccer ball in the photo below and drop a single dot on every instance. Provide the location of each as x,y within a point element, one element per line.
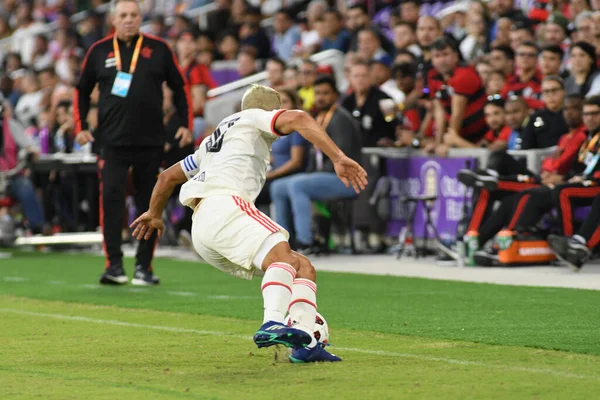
<point>321,329</point>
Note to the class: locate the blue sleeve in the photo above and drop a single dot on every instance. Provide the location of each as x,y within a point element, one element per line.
<point>298,140</point>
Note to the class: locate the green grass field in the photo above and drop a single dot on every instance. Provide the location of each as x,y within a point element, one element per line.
<point>62,336</point>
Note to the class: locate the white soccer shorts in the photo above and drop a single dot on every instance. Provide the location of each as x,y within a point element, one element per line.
<point>228,233</point>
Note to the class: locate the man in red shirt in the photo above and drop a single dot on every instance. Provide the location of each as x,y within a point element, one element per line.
<point>197,74</point>
<point>458,96</point>
<point>527,80</point>
<point>498,135</point>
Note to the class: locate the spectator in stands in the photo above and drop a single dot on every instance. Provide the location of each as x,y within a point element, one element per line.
<point>510,179</point>
<point>369,46</point>
<point>428,30</point>
<point>496,138</point>
<point>228,46</point>
<point>405,56</point>
<point>286,34</point>
<point>520,33</point>
<point>547,125</point>
<point>458,96</point>
<point>409,11</point>
<point>364,103</point>
<point>584,28</point>
<point>23,38</point>
<point>218,19</point>
<point>288,154</point>
<point>584,78</point>
<point>252,34</point>
<point>556,29</point>
<point>290,78</point>
<point>90,29</point>
<point>335,35</point>
<point>11,63</point>
<point>502,58</point>
<point>21,187</point>
<point>517,117</point>
<point>357,19</point>
<point>576,250</point>
<point>495,82</point>
<point>41,57</point>
<point>551,60</point>
<point>307,73</point>
<point>29,106</point>
<point>158,27</point>
<point>292,195</point>
<point>527,80</point>
<point>405,38</point>
<point>275,67</point>
<point>484,69</point>
<point>381,77</point>
<point>246,63</point>
<point>475,43</point>
<point>197,75</point>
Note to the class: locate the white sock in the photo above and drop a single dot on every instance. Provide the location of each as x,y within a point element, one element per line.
<point>277,290</point>
<point>303,307</point>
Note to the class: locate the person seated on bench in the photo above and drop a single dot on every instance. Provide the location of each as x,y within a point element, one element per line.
<point>521,206</point>
<point>20,186</point>
<point>293,195</point>
<point>575,250</point>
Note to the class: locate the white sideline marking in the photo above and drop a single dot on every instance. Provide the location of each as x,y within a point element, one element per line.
<point>15,279</point>
<point>225,297</point>
<point>137,290</point>
<point>91,286</point>
<point>183,294</point>
<point>55,282</point>
<point>542,371</point>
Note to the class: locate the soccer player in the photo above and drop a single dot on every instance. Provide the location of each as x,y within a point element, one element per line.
<point>224,177</point>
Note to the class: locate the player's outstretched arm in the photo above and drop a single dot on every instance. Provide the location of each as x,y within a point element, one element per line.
<point>348,170</point>
<point>151,220</point>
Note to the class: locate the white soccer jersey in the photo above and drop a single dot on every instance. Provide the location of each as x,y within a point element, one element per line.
<point>233,160</point>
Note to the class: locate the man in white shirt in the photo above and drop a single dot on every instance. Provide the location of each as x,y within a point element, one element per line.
<point>224,177</point>
<point>23,39</point>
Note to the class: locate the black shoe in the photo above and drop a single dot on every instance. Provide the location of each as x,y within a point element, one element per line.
<point>477,179</point>
<point>144,277</point>
<point>114,275</point>
<point>486,258</point>
<point>569,250</point>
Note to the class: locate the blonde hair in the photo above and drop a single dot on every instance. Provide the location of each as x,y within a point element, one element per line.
<point>263,97</point>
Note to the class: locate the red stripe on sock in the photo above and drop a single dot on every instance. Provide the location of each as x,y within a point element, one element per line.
<point>275,284</point>
<point>310,284</point>
<point>302,301</point>
<point>284,266</point>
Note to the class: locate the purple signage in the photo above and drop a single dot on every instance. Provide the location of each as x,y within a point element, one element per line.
<point>427,176</point>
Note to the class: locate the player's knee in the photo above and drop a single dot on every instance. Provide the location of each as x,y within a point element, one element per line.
<point>307,270</point>
<point>283,254</point>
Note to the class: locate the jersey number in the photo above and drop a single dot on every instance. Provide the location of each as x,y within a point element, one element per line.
<point>214,143</point>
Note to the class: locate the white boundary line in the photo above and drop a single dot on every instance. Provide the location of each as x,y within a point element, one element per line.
<point>542,371</point>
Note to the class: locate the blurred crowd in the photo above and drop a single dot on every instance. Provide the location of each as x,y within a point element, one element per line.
<point>417,73</point>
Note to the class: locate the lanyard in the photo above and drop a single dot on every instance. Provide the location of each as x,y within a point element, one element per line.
<point>324,120</point>
<point>134,59</point>
<point>588,147</point>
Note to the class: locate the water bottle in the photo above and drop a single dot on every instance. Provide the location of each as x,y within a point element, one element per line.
<point>44,137</point>
<point>471,246</point>
<point>59,142</point>
<point>460,252</point>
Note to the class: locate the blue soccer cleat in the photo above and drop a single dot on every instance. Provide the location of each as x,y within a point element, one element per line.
<point>316,354</point>
<point>272,332</point>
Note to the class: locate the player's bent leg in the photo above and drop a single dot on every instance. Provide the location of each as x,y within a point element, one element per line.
<point>280,266</point>
<point>303,312</point>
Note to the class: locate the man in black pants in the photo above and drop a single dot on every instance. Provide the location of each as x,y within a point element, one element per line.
<point>130,69</point>
<point>576,249</point>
